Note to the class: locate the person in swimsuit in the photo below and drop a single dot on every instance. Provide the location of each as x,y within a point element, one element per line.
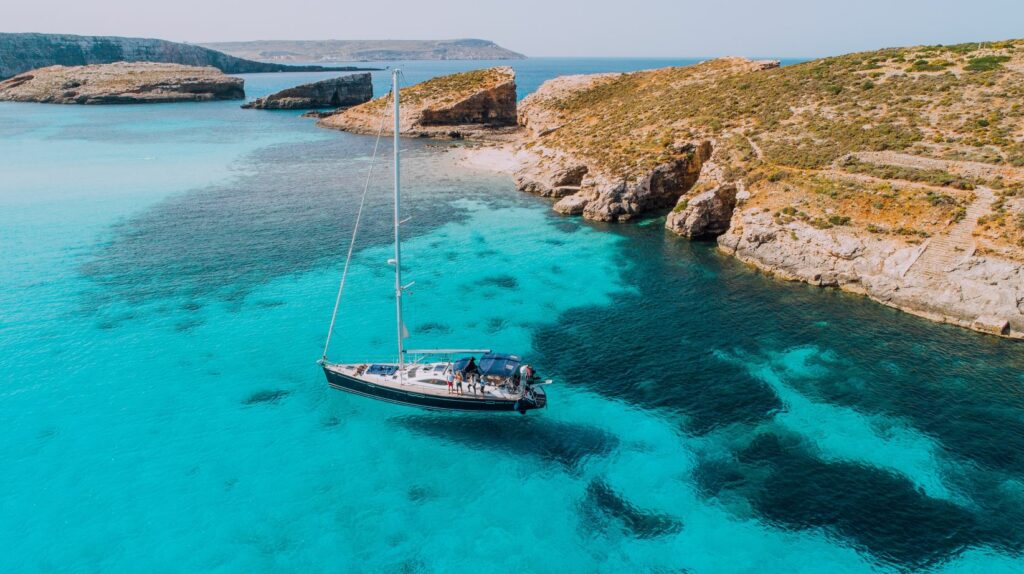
<point>458,382</point>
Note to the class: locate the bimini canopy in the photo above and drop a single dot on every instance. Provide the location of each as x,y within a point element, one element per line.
<point>493,364</point>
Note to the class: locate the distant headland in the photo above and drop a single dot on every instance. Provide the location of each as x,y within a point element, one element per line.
<point>364,50</point>
<point>23,52</point>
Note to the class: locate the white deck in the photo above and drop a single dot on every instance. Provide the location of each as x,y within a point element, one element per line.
<point>426,378</point>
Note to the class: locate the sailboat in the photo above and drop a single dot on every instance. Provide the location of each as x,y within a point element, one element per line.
<point>494,382</point>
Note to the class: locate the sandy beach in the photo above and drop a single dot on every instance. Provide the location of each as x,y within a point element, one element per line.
<point>499,158</point>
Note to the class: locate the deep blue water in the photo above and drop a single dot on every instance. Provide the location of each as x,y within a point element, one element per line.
<point>168,274</point>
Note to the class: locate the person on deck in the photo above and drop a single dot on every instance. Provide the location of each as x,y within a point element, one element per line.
<point>451,381</point>
<point>525,374</point>
<point>472,373</point>
<point>458,382</point>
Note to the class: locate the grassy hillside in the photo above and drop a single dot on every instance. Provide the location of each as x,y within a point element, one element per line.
<point>925,126</point>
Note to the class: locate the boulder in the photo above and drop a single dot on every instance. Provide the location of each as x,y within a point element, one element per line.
<point>549,177</point>
<point>340,92</point>
<point>993,325</point>
<point>572,205</point>
<point>706,214</point>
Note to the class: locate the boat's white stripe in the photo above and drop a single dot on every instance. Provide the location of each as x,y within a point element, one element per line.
<point>397,402</point>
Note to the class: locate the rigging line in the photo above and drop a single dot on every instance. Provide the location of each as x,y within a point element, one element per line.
<point>355,229</point>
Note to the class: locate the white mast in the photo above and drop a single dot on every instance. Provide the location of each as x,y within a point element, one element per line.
<point>398,236</point>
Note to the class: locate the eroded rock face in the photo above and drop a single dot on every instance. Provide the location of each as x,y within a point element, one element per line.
<point>495,106</point>
<point>707,214</point>
<point>980,293</point>
<point>549,177</point>
<point>121,83</point>
<point>338,92</point>
<point>604,199</point>
<point>455,106</point>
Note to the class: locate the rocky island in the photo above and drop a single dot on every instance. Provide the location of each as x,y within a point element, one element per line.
<point>121,83</point>
<point>341,92</point>
<point>897,174</point>
<point>480,103</point>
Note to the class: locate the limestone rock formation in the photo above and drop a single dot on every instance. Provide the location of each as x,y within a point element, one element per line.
<point>706,214</point>
<point>338,92</point>
<point>21,52</point>
<point>978,292</point>
<point>121,83</point>
<point>600,197</point>
<point>459,105</point>
<point>549,178</point>
<point>585,120</point>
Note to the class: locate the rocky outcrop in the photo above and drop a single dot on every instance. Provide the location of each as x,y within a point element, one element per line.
<point>461,105</point>
<point>579,120</point>
<point>601,197</point>
<point>340,92</point>
<point>554,177</point>
<point>23,52</point>
<point>121,83</point>
<point>981,293</point>
<point>706,214</point>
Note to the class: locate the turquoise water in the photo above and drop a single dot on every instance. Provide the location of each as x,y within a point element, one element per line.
<point>168,274</point>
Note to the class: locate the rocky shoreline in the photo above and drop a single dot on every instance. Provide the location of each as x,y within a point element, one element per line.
<point>121,83</point>
<point>344,91</point>
<point>915,245</point>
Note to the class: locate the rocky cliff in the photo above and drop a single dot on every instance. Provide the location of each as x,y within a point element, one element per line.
<point>459,105</point>
<point>615,128</point>
<point>898,174</point>
<point>23,52</point>
<point>340,92</point>
<point>121,83</point>
<point>365,50</point>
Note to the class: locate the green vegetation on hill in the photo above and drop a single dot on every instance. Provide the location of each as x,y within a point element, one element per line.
<point>963,102</point>
<point>442,90</point>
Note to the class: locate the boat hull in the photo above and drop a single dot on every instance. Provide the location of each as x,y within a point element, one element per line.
<point>453,402</point>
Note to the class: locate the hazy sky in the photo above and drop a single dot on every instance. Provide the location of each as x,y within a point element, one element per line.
<point>548,27</point>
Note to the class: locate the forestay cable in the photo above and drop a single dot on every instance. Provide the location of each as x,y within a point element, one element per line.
<point>355,229</point>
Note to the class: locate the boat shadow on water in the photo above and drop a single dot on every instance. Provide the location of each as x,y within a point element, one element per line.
<point>566,444</point>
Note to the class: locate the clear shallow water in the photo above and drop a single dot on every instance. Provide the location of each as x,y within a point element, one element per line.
<point>167,278</point>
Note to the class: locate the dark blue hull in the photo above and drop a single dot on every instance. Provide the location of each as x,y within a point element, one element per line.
<point>453,402</point>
